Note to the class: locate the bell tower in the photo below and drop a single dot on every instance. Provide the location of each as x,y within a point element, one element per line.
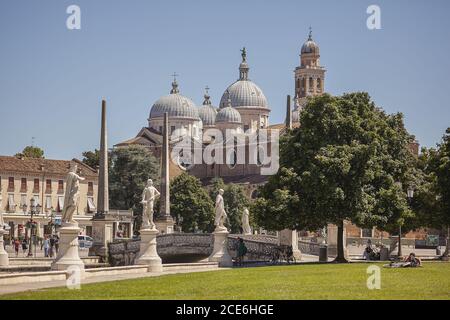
<point>310,75</point>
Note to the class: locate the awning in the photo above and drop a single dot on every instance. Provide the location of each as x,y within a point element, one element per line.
<point>60,203</point>
<point>48,202</point>
<point>11,204</point>
<point>91,205</point>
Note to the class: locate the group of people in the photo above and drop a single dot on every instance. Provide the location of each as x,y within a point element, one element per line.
<point>50,246</point>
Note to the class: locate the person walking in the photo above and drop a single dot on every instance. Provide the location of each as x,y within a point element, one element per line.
<point>46,246</point>
<point>242,251</point>
<point>56,244</point>
<point>24,247</point>
<point>17,246</point>
<point>52,245</point>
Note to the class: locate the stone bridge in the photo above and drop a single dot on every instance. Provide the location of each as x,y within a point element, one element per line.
<point>190,247</point>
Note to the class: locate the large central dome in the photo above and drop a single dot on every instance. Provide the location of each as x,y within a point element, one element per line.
<point>244,93</point>
<point>175,104</point>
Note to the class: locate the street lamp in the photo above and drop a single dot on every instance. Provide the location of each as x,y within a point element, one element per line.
<point>34,209</point>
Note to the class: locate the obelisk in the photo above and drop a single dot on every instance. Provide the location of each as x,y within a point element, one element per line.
<point>164,222</point>
<point>102,224</point>
<point>288,113</point>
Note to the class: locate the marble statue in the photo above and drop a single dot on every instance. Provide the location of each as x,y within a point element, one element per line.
<point>2,222</point>
<point>149,196</point>
<point>246,222</point>
<point>221,215</point>
<point>71,195</point>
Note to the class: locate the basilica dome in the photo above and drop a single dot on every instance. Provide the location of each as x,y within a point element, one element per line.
<point>175,104</point>
<point>244,93</point>
<point>228,115</point>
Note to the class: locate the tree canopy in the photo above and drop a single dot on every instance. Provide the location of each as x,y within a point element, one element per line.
<point>91,158</point>
<point>189,200</point>
<point>348,160</point>
<point>31,152</point>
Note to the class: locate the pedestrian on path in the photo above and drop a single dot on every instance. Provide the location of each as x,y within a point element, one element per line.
<point>17,246</point>
<point>46,245</point>
<point>24,247</point>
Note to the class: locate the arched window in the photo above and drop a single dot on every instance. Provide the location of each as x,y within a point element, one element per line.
<point>311,84</point>
<point>232,159</point>
<point>319,84</point>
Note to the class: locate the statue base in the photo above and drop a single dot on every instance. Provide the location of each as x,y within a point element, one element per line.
<point>4,258</point>
<point>68,257</point>
<point>165,225</point>
<point>147,253</point>
<point>220,252</point>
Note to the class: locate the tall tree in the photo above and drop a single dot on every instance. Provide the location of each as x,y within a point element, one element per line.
<point>129,171</point>
<point>189,200</point>
<point>443,183</point>
<point>347,161</point>
<point>31,152</point>
<point>91,158</point>
<point>235,202</point>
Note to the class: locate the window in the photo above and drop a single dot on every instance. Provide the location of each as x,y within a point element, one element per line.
<point>366,233</point>
<point>11,184</point>
<point>311,84</point>
<point>23,185</point>
<point>48,186</point>
<point>90,205</point>
<point>36,186</point>
<point>90,188</point>
<point>60,186</point>
<point>232,160</point>
<point>172,129</point>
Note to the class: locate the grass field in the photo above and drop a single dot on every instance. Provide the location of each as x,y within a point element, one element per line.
<point>314,281</point>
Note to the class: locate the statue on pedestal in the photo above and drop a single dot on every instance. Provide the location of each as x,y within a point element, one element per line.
<point>71,195</point>
<point>2,222</point>
<point>221,215</point>
<point>246,222</point>
<point>149,196</point>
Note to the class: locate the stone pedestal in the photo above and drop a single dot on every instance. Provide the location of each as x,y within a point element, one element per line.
<point>4,259</point>
<point>165,225</point>
<point>289,237</point>
<point>68,256</point>
<point>102,233</point>
<point>220,252</point>
<point>147,253</point>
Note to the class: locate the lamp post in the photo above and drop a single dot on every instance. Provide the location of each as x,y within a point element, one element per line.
<point>34,209</point>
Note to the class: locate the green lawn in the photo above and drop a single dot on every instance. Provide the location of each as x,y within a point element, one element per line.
<point>313,281</point>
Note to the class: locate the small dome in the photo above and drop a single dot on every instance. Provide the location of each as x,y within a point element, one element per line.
<point>207,112</point>
<point>176,105</point>
<point>310,46</point>
<point>228,115</point>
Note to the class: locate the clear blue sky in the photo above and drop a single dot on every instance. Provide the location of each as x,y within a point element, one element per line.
<point>52,79</point>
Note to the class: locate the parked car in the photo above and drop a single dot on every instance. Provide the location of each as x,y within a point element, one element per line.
<point>85,242</point>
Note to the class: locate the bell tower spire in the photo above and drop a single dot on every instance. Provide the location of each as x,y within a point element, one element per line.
<point>243,67</point>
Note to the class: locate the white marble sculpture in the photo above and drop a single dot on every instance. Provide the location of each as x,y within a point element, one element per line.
<point>221,215</point>
<point>71,195</point>
<point>2,222</point>
<point>246,222</point>
<point>149,196</point>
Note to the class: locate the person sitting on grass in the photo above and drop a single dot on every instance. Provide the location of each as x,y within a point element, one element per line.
<point>413,261</point>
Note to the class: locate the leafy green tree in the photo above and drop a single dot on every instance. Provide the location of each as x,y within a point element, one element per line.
<point>235,202</point>
<point>189,200</point>
<point>129,170</point>
<point>443,183</point>
<point>31,152</point>
<point>347,161</point>
<point>91,158</point>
